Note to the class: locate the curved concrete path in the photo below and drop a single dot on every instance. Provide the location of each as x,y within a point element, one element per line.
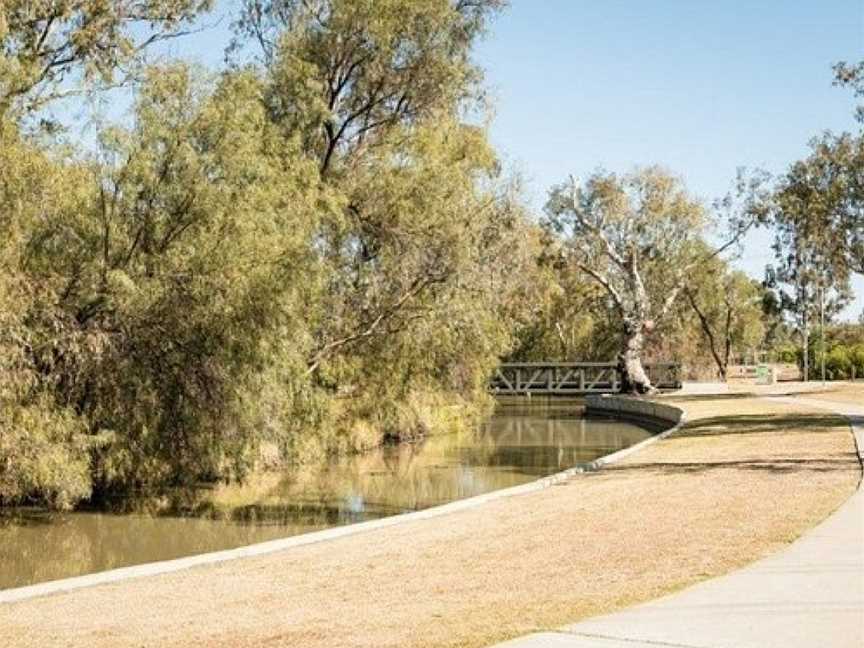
<point>806,596</point>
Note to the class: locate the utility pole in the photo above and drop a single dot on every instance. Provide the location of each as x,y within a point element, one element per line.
<point>822,327</point>
<point>806,334</point>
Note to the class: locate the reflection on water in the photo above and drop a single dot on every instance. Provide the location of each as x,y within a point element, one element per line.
<point>521,442</point>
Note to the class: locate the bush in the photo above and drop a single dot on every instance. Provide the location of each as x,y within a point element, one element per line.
<point>838,363</point>
<point>44,456</point>
<point>857,357</point>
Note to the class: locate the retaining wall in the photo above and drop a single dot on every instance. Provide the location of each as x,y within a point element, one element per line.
<point>630,407</point>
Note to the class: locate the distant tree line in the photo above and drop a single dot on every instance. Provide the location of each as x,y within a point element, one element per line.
<point>317,249</point>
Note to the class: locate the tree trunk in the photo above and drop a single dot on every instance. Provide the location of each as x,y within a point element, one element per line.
<point>806,335</point>
<point>634,379</point>
<point>722,364</point>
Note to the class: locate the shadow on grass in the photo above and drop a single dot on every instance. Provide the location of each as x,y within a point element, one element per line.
<point>828,464</point>
<point>761,423</point>
<point>731,396</point>
<point>776,424</point>
<point>684,398</point>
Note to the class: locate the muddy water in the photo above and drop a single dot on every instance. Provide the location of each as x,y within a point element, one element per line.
<point>519,443</point>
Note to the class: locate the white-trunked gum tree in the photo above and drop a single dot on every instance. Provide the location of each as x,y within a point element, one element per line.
<point>639,236</point>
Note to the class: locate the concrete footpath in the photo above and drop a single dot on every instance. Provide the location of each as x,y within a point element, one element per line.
<point>810,595</point>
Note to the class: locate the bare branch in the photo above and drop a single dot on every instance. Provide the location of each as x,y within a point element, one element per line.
<point>604,281</point>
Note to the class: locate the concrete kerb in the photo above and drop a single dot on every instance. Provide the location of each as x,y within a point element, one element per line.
<point>594,404</point>
<point>631,408</point>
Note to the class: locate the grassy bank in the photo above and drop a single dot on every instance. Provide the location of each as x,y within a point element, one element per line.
<point>744,478</point>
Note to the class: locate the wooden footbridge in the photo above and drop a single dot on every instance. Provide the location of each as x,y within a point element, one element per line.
<point>574,377</point>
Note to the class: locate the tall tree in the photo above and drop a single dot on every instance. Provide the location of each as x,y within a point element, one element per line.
<point>168,278</point>
<point>376,93</point>
<point>728,306</point>
<point>833,173</point>
<point>638,236</point>
<point>809,274</point>
<point>252,249</point>
<point>817,211</point>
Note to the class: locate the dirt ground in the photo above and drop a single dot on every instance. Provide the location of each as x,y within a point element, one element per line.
<point>745,477</point>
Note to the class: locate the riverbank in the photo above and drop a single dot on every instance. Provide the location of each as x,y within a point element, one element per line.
<point>744,478</point>
<point>513,448</point>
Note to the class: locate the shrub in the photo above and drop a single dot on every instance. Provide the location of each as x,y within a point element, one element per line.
<point>44,456</point>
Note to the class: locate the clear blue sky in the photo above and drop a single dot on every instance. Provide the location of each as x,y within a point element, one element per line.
<point>701,87</point>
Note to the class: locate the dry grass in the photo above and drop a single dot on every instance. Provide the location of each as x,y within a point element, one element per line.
<point>844,393</point>
<point>743,479</point>
<point>840,391</point>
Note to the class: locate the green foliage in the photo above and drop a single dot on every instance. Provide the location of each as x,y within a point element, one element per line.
<point>728,308</point>
<point>637,236</point>
<point>570,317</point>
<point>203,233</point>
<point>318,252</point>
<point>843,352</point>
<point>346,72</point>
<point>44,448</point>
<point>48,47</point>
<point>171,272</point>
<point>415,295</point>
<point>206,292</point>
<point>815,211</point>
<point>44,455</point>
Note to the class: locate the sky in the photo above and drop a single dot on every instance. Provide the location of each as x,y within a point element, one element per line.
<point>698,86</point>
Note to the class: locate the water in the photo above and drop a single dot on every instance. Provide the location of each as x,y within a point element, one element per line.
<point>518,444</point>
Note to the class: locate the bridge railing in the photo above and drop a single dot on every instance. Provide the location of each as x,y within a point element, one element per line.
<point>574,377</point>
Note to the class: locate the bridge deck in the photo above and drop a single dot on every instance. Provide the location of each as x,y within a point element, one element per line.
<point>574,377</point>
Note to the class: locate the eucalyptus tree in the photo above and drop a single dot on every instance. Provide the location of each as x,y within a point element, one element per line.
<point>811,272</point>
<point>728,307</point>
<point>830,181</point>
<point>816,209</point>
<point>822,197</point>
<point>835,169</point>
<point>639,236</point>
